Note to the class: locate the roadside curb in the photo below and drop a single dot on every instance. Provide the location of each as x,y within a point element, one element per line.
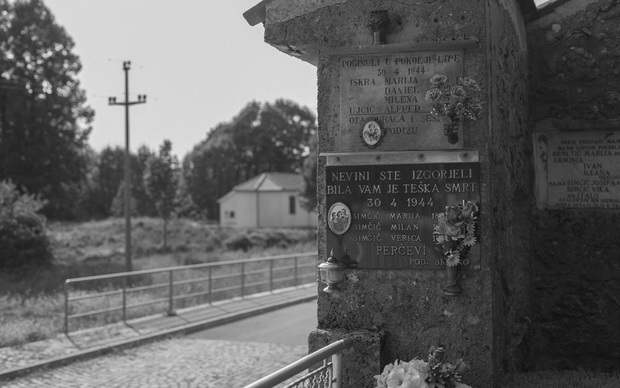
<point>126,344</point>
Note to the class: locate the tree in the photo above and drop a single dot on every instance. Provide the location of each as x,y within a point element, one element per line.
<point>261,138</point>
<point>160,181</point>
<point>211,170</point>
<point>45,121</point>
<point>271,137</point>
<point>105,179</point>
<point>184,205</point>
<point>139,164</point>
<point>86,208</point>
<point>117,208</point>
<point>308,191</point>
<point>23,241</point>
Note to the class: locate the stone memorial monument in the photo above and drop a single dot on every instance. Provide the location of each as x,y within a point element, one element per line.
<point>421,110</point>
<point>578,169</point>
<point>575,129</point>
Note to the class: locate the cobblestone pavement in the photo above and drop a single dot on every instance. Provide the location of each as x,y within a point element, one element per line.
<point>60,345</point>
<point>177,362</point>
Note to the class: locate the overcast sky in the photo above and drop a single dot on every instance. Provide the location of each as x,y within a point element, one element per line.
<point>198,62</point>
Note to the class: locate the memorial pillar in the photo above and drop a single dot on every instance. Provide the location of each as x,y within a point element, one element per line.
<point>421,172</point>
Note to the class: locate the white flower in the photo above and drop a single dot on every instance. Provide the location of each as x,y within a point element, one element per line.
<point>469,241</point>
<point>433,95</point>
<point>404,375</point>
<point>453,258</point>
<point>438,80</point>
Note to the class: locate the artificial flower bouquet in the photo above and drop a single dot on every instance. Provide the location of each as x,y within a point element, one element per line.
<point>451,102</point>
<point>455,231</point>
<point>422,374</point>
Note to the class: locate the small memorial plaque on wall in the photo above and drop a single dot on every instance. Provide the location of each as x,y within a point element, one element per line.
<point>382,207</point>
<point>578,169</point>
<point>389,90</point>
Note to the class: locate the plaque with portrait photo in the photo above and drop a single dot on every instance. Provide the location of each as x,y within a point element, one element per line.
<point>371,134</point>
<point>393,203</point>
<point>339,218</point>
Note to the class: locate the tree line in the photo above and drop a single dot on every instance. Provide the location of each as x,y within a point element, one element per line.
<point>263,137</point>
<point>45,123</point>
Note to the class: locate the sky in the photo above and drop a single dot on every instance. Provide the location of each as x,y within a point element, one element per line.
<point>198,61</point>
<point>199,64</point>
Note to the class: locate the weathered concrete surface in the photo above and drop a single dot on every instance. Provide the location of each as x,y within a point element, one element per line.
<point>510,189</point>
<point>487,325</point>
<point>279,11</point>
<point>575,62</point>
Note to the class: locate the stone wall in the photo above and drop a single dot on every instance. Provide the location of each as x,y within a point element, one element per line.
<point>575,67</point>
<point>510,180</point>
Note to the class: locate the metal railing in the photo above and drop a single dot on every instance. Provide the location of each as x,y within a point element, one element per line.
<point>182,286</point>
<point>328,375</point>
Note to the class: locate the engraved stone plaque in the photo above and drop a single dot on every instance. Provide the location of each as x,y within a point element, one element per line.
<point>384,205</point>
<point>578,169</point>
<point>390,89</point>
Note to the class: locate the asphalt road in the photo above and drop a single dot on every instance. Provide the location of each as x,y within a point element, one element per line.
<point>288,326</point>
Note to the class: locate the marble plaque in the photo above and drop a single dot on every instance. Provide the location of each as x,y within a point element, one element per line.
<point>578,169</point>
<point>389,89</point>
<point>381,207</point>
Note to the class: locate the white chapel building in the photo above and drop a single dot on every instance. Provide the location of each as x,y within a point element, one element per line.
<point>268,200</point>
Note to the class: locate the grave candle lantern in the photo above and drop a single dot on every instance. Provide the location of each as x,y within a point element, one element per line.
<point>379,23</point>
<point>332,273</point>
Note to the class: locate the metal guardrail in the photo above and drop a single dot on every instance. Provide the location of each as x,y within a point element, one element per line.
<point>329,375</point>
<point>228,279</point>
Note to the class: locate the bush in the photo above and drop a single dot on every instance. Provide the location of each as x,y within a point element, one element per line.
<point>238,242</point>
<point>23,241</point>
<point>267,238</point>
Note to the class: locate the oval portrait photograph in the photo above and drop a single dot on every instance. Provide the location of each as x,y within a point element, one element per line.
<point>339,218</point>
<point>372,133</point>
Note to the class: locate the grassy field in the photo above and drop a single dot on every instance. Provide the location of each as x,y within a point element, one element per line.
<point>32,302</point>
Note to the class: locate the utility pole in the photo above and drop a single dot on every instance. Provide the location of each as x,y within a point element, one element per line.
<point>127,104</point>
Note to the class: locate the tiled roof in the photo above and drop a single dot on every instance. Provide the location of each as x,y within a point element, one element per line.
<point>272,181</point>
